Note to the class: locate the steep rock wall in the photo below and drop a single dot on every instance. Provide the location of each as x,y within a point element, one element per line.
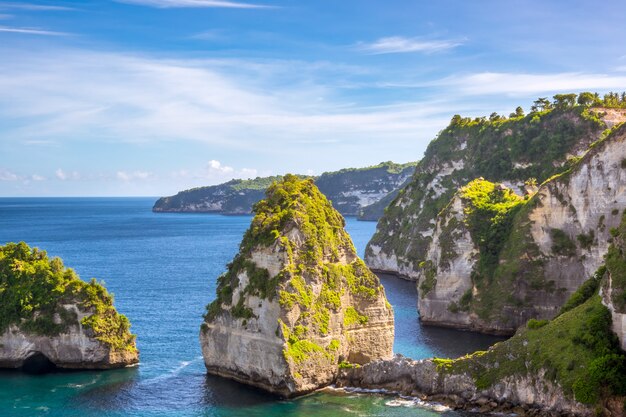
<point>297,300</point>
<point>510,151</point>
<point>556,242</point>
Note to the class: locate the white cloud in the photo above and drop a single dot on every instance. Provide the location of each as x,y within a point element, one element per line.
<point>36,177</point>
<point>167,4</point>
<point>134,175</point>
<point>32,31</point>
<point>6,175</point>
<point>399,44</point>
<point>67,176</point>
<point>62,95</point>
<point>525,84</point>
<point>32,7</point>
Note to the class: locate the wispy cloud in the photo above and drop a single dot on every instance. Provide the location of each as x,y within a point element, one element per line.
<point>32,31</point>
<point>32,7</point>
<point>399,44</point>
<point>63,94</point>
<point>170,4</point>
<point>524,84</point>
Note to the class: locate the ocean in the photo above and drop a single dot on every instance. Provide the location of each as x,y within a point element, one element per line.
<point>162,269</point>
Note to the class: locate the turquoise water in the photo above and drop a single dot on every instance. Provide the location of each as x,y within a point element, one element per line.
<point>162,270</point>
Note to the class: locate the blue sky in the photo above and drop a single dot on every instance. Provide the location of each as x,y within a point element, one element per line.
<point>148,97</point>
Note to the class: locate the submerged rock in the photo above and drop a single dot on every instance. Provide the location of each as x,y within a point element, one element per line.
<point>296,301</point>
<point>49,318</point>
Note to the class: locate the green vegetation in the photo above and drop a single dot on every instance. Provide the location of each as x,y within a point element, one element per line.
<point>489,210</point>
<point>616,266</point>
<point>586,239</point>
<point>33,289</point>
<point>585,291</point>
<point>352,317</point>
<point>577,350</point>
<point>297,220</point>
<point>518,148</point>
<point>561,243</point>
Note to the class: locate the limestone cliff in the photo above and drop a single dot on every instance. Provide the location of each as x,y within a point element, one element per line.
<point>353,191</point>
<point>509,151</point>
<point>296,301</point>
<point>49,317</point>
<point>570,366</point>
<point>496,260</point>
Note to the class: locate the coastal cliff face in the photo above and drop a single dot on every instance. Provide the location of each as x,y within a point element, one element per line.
<point>296,301</point>
<point>495,260</point>
<point>570,366</point>
<point>49,315</point>
<point>351,190</point>
<point>509,152</point>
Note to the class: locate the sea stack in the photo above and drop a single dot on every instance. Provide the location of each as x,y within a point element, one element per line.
<point>49,318</point>
<point>296,302</point>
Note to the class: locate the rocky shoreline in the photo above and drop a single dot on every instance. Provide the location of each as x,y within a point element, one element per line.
<point>420,379</point>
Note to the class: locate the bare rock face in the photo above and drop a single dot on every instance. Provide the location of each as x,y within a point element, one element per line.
<point>49,317</point>
<point>296,301</point>
<point>491,267</point>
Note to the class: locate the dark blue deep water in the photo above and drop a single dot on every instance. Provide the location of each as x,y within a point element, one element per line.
<point>162,270</point>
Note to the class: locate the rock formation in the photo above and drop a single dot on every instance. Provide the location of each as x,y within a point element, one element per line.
<point>496,260</point>
<point>571,366</point>
<point>353,192</point>
<point>50,318</point>
<point>296,301</point>
<point>509,151</point>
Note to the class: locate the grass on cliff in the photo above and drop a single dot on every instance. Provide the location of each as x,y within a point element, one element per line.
<point>298,220</point>
<point>577,350</point>
<point>515,148</point>
<point>33,288</point>
<point>616,265</point>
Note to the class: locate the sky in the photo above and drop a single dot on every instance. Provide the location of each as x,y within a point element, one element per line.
<point>149,97</point>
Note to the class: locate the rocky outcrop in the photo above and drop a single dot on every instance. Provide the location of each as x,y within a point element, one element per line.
<point>49,318</point>
<point>426,379</point>
<point>351,191</point>
<point>566,367</point>
<point>296,301</point>
<point>526,260</point>
<point>509,151</point>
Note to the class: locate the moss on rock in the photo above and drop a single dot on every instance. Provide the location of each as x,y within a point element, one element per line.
<point>35,288</point>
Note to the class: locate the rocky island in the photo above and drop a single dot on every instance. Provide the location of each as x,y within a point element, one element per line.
<point>296,301</point>
<point>363,192</point>
<point>49,318</point>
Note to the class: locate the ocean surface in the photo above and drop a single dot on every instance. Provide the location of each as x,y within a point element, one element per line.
<point>162,269</point>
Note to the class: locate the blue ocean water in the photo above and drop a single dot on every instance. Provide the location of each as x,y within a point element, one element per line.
<point>162,269</point>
